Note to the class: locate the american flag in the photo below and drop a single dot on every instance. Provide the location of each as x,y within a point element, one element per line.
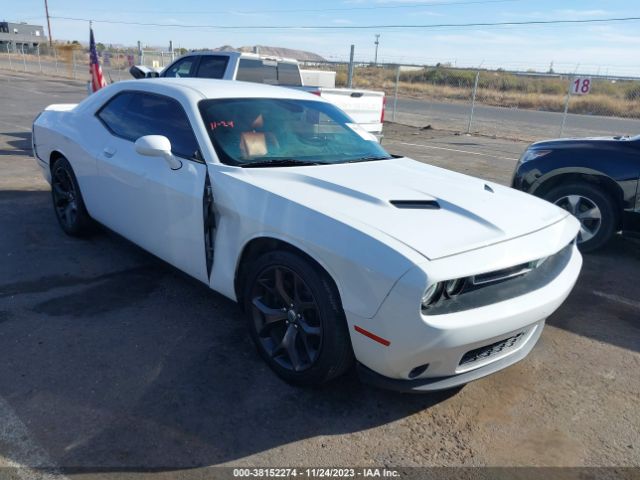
<point>97,79</point>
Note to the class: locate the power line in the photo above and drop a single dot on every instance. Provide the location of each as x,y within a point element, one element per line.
<point>356,27</point>
<point>315,10</point>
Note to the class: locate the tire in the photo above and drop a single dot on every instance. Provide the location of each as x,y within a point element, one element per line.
<point>308,344</point>
<point>586,201</point>
<point>68,204</point>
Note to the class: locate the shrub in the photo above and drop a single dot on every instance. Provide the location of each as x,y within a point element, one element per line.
<point>632,93</point>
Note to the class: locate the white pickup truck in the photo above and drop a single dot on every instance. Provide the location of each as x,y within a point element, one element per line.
<point>365,107</point>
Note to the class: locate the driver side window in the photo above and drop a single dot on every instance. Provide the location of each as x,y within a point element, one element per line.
<point>183,68</point>
<point>131,115</point>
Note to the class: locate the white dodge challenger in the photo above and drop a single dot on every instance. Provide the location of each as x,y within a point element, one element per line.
<point>338,252</point>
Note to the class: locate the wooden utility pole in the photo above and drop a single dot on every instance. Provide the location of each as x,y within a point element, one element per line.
<point>377,42</point>
<point>46,9</point>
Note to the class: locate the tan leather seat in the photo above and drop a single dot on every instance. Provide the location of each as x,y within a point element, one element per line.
<point>257,144</point>
<point>253,144</point>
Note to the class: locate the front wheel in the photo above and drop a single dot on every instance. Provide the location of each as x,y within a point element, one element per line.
<point>593,207</point>
<point>296,320</point>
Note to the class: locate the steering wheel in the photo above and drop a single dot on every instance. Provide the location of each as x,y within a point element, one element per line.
<point>313,140</point>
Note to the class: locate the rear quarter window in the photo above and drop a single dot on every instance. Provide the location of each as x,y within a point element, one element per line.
<point>257,71</point>
<point>289,74</point>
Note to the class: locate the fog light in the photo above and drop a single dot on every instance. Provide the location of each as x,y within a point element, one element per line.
<point>416,372</point>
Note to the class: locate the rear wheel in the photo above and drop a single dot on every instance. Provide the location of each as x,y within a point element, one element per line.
<point>296,320</point>
<point>67,200</point>
<point>593,207</point>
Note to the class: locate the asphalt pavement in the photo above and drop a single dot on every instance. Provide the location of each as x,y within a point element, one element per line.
<point>507,122</point>
<point>501,122</point>
<point>116,365</point>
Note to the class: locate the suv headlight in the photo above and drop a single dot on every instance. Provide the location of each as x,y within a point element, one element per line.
<point>533,154</point>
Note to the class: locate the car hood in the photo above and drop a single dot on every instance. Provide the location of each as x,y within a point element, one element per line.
<point>586,141</point>
<point>444,213</point>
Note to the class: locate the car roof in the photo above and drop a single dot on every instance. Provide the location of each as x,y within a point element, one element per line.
<point>210,88</point>
<point>230,53</point>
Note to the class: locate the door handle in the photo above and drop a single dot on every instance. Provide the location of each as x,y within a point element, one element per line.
<point>109,152</point>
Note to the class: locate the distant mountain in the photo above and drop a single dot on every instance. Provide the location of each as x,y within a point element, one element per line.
<point>276,52</point>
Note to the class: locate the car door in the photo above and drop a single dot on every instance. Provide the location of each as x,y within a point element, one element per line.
<point>143,199</point>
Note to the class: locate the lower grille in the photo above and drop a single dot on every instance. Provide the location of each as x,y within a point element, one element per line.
<point>488,351</point>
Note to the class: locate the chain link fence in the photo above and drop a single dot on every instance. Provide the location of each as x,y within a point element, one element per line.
<point>524,106</point>
<point>72,60</point>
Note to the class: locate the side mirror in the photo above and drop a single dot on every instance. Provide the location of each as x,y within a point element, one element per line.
<point>140,71</point>
<point>157,146</point>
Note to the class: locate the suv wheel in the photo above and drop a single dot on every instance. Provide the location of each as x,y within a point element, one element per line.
<point>593,207</point>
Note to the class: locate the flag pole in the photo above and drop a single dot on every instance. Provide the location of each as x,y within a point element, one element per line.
<point>90,86</point>
<point>97,79</point>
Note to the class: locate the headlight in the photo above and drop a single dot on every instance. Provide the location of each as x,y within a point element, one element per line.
<point>452,288</point>
<point>431,295</point>
<point>533,154</point>
<point>442,291</point>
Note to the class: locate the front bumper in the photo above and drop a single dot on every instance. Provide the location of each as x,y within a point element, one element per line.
<point>444,342</point>
<point>430,384</point>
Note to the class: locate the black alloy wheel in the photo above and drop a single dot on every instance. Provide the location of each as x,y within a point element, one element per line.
<point>287,318</point>
<point>67,200</point>
<point>296,320</point>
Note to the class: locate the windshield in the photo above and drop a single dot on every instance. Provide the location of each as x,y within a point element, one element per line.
<point>284,132</point>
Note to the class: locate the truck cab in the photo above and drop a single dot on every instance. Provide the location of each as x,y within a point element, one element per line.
<point>365,107</point>
<point>247,67</point>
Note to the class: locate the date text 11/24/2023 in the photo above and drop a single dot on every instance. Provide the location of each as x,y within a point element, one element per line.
<point>316,472</point>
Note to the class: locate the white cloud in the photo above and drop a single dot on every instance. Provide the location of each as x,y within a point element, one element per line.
<point>604,47</point>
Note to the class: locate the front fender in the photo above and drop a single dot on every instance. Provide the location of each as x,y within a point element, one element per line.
<point>363,268</point>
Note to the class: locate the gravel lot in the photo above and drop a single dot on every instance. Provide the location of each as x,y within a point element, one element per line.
<point>115,363</point>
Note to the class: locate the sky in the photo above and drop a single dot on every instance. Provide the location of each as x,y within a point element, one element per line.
<point>598,48</point>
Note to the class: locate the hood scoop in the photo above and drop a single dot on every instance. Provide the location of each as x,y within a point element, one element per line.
<point>416,204</point>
